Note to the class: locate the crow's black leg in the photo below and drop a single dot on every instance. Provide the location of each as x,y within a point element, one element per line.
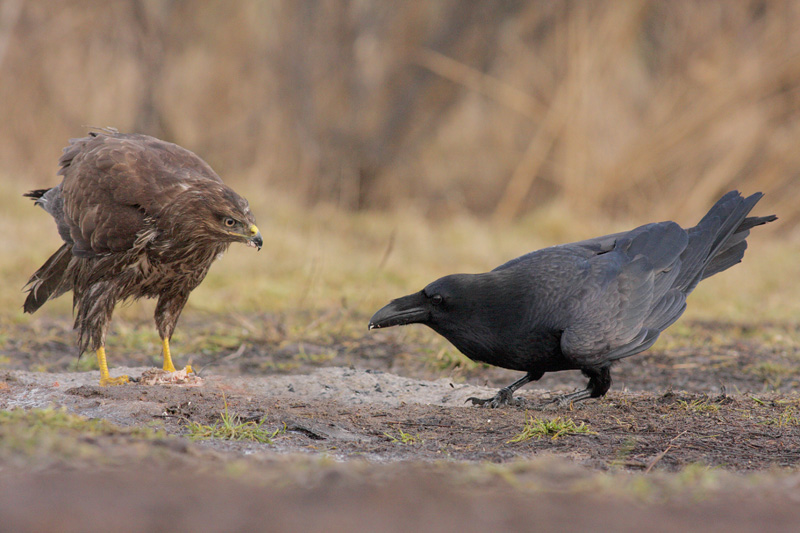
<point>505,395</point>
<point>599,383</point>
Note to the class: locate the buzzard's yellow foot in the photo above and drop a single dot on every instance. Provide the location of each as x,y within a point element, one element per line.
<point>108,380</point>
<point>171,368</point>
<point>105,379</point>
<point>168,365</point>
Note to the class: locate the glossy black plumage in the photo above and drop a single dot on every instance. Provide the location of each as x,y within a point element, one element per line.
<point>582,305</point>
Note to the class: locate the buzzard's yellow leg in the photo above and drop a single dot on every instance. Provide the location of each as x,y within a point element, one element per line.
<point>105,379</point>
<point>168,365</point>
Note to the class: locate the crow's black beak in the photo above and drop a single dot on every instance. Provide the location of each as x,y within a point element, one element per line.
<point>409,309</point>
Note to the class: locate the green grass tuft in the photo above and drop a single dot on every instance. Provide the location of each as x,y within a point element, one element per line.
<point>403,437</point>
<point>554,428</point>
<point>231,427</point>
<point>698,405</point>
<point>789,417</point>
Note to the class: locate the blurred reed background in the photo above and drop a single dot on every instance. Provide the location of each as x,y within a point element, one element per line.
<point>495,123</point>
<point>497,108</point>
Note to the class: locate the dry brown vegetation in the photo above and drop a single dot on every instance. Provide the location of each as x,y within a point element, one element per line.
<point>644,108</point>
<point>382,145</point>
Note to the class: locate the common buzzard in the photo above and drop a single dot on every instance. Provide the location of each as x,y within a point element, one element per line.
<point>139,217</point>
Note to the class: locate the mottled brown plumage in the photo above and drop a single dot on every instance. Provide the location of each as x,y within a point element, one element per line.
<point>139,217</point>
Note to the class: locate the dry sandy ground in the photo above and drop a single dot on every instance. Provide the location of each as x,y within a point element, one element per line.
<point>340,465</point>
<point>701,434</point>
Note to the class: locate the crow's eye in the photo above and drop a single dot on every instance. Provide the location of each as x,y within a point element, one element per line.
<point>228,221</point>
<point>437,299</point>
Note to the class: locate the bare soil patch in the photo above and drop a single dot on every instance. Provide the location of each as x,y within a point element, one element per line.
<point>694,421</point>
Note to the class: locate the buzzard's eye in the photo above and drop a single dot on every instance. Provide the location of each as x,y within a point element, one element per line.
<point>437,299</point>
<point>229,222</point>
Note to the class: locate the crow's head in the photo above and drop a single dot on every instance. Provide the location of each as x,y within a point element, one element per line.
<point>458,304</point>
<point>439,301</point>
<point>475,312</point>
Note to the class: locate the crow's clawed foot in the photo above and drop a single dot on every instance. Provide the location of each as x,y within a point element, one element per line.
<point>503,397</point>
<point>560,403</point>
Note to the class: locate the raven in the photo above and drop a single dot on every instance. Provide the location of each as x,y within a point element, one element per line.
<point>579,306</point>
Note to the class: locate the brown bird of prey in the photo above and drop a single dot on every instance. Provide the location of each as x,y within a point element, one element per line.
<point>139,217</point>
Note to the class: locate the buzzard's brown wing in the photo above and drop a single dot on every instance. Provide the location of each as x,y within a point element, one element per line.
<point>114,182</point>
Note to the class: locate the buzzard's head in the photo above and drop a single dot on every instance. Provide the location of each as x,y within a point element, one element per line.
<point>213,213</point>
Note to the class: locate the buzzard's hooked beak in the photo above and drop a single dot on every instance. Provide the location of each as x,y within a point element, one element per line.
<point>406,310</point>
<point>255,237</point>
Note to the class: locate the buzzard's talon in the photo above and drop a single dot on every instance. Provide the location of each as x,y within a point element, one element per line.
<point>105,379</point>
<point>108,381</point>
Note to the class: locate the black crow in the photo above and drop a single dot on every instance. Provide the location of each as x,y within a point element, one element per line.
<point>579,306</point>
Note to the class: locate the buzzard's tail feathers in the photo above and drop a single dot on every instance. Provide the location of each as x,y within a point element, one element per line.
<point>48,282</point>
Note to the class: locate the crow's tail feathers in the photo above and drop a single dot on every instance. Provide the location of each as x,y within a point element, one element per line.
<point>36,195</point>
<point>719,240</point>
<point>733,249</point>
<point>49,281</point>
